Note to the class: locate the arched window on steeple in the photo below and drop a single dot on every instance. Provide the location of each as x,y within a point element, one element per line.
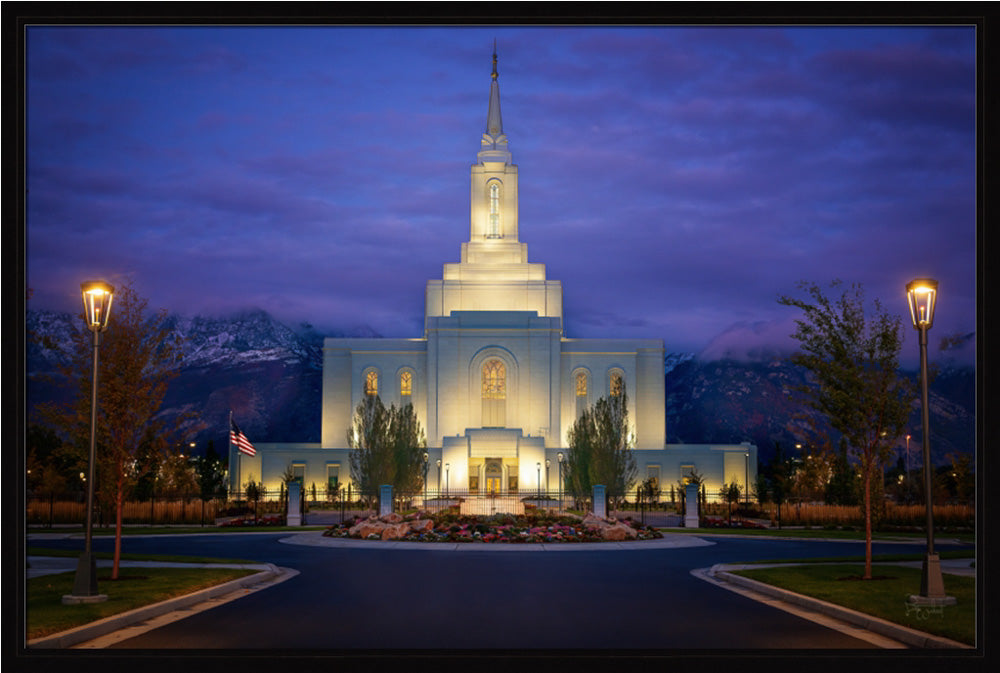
<point>493,228</point>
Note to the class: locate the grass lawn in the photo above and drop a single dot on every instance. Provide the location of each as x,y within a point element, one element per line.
<point>170,558</point>
<point>178,530</point>
<point>884,597</point>
<point>134,588</point>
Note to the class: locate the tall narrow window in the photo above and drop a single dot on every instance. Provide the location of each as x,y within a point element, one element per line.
<point>581,393</point>
<point>617,384</point>
<point>405,384</point>
<point>494,224</point>
<point>494,394</point>
<point>371,382</point>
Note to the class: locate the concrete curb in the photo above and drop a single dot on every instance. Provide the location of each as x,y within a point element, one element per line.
<point>81,634</point>
<point>903,634</point>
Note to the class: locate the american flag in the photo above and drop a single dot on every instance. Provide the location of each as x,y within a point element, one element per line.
<point>240,440</point>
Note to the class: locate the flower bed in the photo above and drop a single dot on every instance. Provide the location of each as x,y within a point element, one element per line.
<point>450,526</point>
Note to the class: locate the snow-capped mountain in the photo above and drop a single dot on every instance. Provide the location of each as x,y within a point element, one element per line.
<point>270,376</point>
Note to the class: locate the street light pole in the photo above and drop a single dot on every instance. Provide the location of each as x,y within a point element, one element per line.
<point>746,478</point>
<point>922,297</point>
<point>425,479</point>
<point>559,457</point>
<point>909,489</point>
<point>97,298</point>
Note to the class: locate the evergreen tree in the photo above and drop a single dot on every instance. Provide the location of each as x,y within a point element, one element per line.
<point>388,447</point>
<point>600,450</point>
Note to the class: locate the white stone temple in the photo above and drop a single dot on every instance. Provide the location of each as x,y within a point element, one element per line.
<point>495,383</point>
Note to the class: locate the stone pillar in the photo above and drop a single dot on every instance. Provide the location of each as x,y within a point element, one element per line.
<point>691,506</point>
<point>294,504</point>
<point>385,499</point>
<point>600,502</point>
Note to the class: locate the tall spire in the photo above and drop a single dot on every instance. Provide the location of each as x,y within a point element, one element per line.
<point>494,124</point>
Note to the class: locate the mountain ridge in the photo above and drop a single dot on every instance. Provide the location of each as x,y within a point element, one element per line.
<point>270,376</point>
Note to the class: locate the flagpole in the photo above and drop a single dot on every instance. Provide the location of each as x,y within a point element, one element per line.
<point>239,461</point>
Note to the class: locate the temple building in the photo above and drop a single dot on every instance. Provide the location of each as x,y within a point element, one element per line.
<point>495,383</point>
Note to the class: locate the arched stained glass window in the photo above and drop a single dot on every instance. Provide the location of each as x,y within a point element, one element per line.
<point>494,393</point>
<point>371,382</point>
<point>493,230</point>
<point>405,384</point>
<point>617,384</point>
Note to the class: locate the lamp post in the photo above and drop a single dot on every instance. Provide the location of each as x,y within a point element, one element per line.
<point>447,479</point>
<point>538,478</point>
<point>922,297</point>
<point>547,464</point>
<point>439,477</point>
<point>425,478</point>
<point>746,478</point>
<point>559,457</point>
<point>97,297</point>
<point>909,494</point>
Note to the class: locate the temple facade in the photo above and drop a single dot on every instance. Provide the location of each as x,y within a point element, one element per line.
<point>495,383</point>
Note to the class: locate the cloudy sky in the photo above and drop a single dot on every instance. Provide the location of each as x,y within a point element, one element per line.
<point>675,179</point>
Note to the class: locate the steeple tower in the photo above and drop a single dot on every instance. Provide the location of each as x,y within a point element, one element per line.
<point>494,273</point>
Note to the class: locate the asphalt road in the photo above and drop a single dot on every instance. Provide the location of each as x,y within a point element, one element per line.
<point>379,599</point>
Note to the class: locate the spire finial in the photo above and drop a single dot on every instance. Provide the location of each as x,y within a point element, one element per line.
<point>494,75</point>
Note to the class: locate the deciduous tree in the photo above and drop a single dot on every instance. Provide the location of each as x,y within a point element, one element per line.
<point>138,357</point>
<point>853,365</point>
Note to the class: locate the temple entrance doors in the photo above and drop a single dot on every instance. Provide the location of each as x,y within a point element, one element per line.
<point>494,475</point>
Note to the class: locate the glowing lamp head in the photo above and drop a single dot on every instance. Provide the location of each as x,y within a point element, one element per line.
<point>922,296</point>
<point>97,296</point>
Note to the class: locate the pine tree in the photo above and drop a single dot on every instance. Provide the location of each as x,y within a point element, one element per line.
<point>388,447</point>
<point>600,450</point>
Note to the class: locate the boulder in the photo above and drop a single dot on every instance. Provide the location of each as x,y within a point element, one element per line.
<point>391,517</point>
<point>422,526</point>
<point>614,533</point>
<point>620,531</point>
<point>367,527</point>
<point>394,531</point>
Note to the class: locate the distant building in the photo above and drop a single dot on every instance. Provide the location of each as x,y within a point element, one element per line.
<point>493,380</point>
